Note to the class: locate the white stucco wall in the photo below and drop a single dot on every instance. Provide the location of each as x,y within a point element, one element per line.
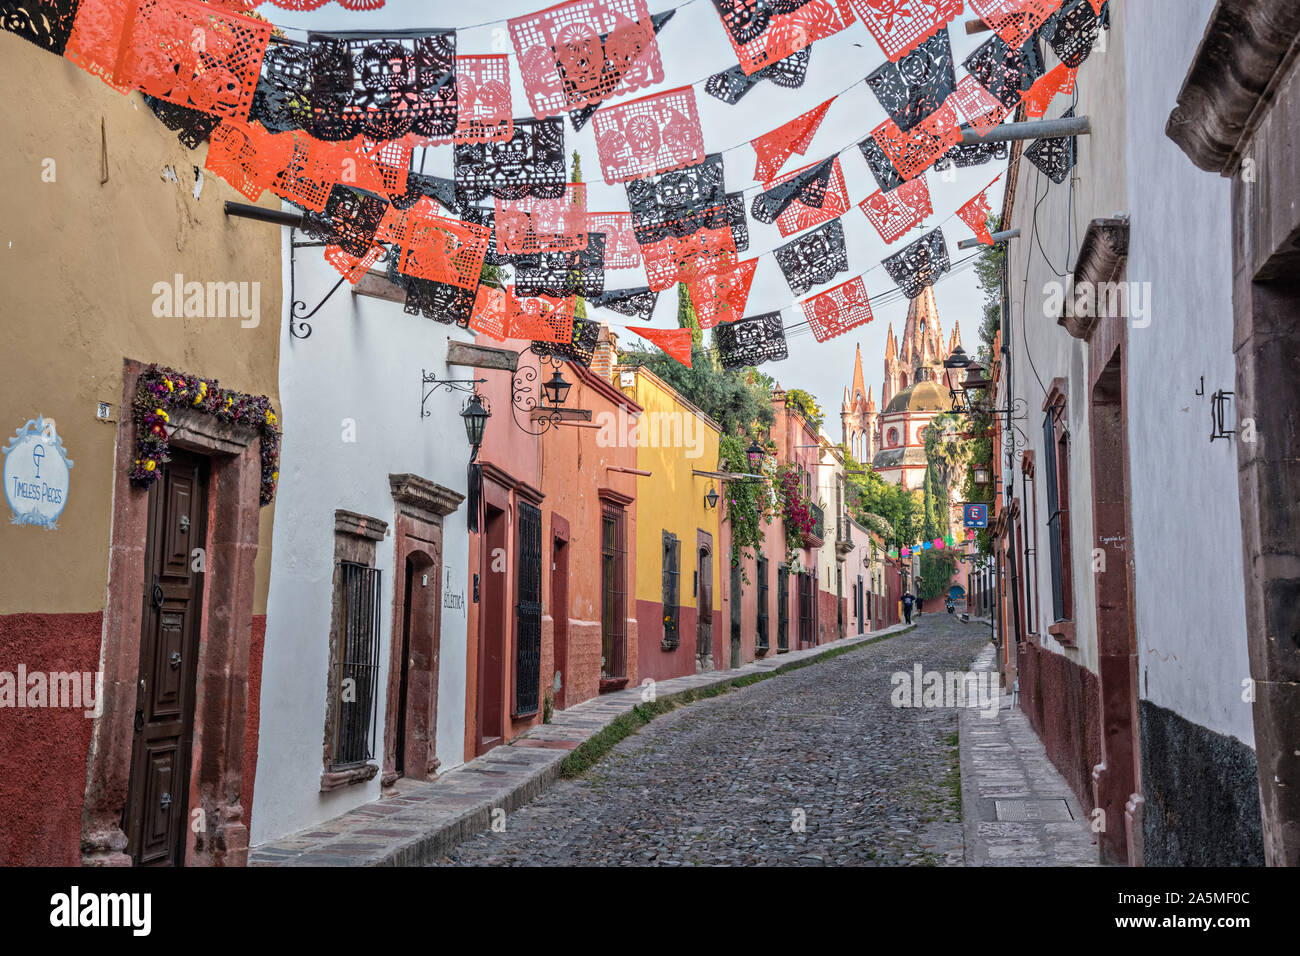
<point>1186,515</point>
<point>1042,350</point>
<point>362,363</point>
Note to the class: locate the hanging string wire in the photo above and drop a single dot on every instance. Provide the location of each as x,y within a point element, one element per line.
<point>803,327</point>
<point>862,275</point>
<point>694,83</point>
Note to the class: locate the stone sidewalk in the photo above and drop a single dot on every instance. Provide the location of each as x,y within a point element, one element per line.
<point>425,820</point>
<point>1017,809</point>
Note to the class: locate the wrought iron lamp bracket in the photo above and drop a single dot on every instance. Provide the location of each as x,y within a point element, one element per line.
<point>450,384</point>
<point>525,396</point>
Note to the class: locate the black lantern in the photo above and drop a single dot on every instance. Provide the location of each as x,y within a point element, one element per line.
<point>556,388</point>
<point>711,499</point>
<point>476,416</point>
<point>957,359</point>
<point>981,475</point>
<point>755,452</point>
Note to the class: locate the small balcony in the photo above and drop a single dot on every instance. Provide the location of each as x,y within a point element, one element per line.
<point>818,535</point>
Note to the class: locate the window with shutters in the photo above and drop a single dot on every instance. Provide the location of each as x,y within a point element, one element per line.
<point>528,620</point>
<point>760,638</point>
<point>672,584</point>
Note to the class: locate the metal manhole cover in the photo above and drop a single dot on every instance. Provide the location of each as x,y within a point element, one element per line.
<point>1033,811</point>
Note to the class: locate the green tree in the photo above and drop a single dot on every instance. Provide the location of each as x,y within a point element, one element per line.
<point>988,271</point>
<point>579,304</point>
<point>885,508</point>
<point>687,318</point>
<point>807,406</point>
<point>740,406</point>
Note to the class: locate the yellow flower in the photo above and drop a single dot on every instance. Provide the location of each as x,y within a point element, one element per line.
<point>270,417</point>
<point>275,476</point>
<point>162,414</point>
<point>150,465</point>
<point>168,383</point>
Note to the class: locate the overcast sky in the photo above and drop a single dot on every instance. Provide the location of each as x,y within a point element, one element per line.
<point>694,45</point>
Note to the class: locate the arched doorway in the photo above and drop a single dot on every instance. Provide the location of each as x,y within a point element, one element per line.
<point>704,615</point>
<point>411,724</point>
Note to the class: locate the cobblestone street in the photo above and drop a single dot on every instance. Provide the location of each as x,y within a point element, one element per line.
<point>723,781</point>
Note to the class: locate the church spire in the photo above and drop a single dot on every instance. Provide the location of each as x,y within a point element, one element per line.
<point>859,386</point>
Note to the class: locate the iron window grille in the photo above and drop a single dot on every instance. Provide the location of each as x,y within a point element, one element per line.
<point>761,638</point>
<point>357,668</point>
<point>672,558</point>
<point>613,554</point>
<point>782,608</point>
<point>528,621</point>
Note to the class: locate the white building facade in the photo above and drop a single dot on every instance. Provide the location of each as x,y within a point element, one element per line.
<point>364,670</point>
<point>1118,517</point>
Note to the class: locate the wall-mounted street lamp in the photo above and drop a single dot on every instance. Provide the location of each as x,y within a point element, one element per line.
<point>755,452</point>
<point>475,413</point>
<point>543,415</point>
<point>981,475</point>
<point>711,499</point>
<point>556,388</point>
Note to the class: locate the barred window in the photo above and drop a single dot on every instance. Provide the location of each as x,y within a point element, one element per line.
<point>528,623</point>
<point>356,665</point>
<point>760,638</point>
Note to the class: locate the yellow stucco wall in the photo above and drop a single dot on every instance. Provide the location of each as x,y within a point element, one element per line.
<point>78,263</point>
<point>672,498</point>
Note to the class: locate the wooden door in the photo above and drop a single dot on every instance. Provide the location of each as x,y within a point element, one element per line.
<point>735,615</point>
<point>157,797</point>
<point>492,631</point>
<point>704,617</point>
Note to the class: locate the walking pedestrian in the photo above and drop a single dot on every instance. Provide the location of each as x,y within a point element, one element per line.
<point>908,601</point>
<point>920,606</point>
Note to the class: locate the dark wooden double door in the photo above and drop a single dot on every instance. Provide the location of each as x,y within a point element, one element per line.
<point>155,815</point>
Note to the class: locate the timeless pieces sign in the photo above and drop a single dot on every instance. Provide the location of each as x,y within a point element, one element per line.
<point>36,471</point>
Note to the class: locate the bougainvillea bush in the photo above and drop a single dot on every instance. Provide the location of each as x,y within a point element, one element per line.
<point>161,389</point>
<point>796,514</point>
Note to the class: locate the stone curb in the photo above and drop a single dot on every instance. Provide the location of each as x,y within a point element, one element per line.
<point>433,828</point>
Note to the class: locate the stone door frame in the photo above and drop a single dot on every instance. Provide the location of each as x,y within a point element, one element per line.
<point>225,632</point>
<point>419,507</point>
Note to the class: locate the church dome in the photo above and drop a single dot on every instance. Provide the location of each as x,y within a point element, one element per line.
<point>924,396</point>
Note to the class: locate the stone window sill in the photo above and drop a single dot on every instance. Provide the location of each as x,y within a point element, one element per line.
<point>335,779</point>
<point>1063,632</point>
<point>608,685</point>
